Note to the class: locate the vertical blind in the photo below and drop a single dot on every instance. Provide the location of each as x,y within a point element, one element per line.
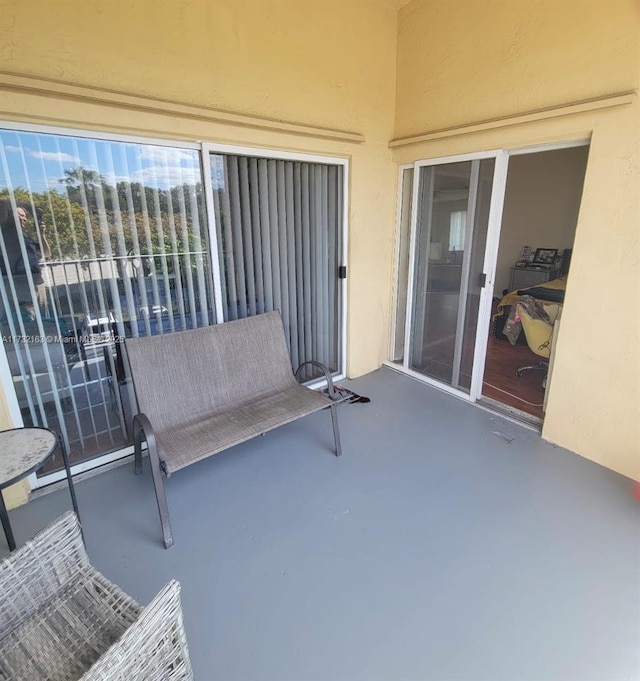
<point>127,233</point>
<point>279,226</point>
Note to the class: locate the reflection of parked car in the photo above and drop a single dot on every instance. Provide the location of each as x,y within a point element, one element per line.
<point>98,331</point>
<point>153,310</point>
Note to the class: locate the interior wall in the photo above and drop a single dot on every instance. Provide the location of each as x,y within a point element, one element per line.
<point>467,62</point>
<point>541,205</point>
<point>330,65</point>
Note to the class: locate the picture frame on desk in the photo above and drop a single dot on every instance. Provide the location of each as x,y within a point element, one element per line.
<point>545,256</point>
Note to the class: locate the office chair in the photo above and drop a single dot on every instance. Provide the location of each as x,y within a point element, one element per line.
<point>538,334</point>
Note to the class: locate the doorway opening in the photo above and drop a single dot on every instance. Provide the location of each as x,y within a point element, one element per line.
<point>484,241</point>
<point>539,218</point>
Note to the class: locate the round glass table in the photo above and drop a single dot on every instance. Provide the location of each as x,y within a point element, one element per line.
<point>24,451</point>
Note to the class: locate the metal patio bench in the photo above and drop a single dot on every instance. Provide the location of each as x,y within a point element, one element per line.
<point>61,620</point>
<point>204,390</point>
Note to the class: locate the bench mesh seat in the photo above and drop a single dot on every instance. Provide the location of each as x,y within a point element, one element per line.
<point>200,438</point>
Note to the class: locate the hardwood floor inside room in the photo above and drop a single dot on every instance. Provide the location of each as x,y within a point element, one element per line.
<point>501,383</point>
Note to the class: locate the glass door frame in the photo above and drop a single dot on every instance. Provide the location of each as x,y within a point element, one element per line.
<point>399,291</point>
<point>501,157</point>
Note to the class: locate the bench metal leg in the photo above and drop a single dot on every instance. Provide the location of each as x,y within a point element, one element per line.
<point>336,432</point>
<point>137,446</point>
<point>161,497</point>
<point>142,428</point>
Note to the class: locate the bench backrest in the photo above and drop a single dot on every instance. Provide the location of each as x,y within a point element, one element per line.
<point>181,376</point>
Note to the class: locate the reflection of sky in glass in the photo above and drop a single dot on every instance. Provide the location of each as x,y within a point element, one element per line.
<point>39,161</point>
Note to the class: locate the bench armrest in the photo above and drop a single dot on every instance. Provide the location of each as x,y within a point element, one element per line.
<point>142,430</point>
<point>327,374</point>
<point>142,423</point>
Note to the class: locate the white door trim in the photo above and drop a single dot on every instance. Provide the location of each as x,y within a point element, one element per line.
<point>409,322</point>
<point>472,202</point>
<point>214,253</point>
<point>489,268</point>
<point>396,256</point>
<point>412,268</point>
<point>344,260</point>
<point>458,158</point>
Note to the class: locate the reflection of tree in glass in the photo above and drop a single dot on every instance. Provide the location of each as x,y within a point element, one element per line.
<point>172,253</point>
<point>83,187</point>
<point>139,219</point>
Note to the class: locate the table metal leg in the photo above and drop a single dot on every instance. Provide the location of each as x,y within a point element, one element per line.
<point>72,489</point>
<point>8,532</point>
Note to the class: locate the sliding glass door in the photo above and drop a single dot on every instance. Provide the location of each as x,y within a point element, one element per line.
<point>451,217</point>
<point>104,239</point>
<point>279,236</point>
<point>100,240</point>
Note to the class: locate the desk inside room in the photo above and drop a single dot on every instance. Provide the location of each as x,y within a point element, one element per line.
<point>524,277</point>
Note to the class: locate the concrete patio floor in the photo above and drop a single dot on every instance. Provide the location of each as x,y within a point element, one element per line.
<point>433,549</point>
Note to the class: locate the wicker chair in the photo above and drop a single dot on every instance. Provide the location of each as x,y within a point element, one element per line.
<point>61,620</point>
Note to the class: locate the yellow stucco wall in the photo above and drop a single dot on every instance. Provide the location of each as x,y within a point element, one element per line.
<point>471,60</point>
<point>464,62</point>
<point>329,64</point>
<point>333,64</point>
